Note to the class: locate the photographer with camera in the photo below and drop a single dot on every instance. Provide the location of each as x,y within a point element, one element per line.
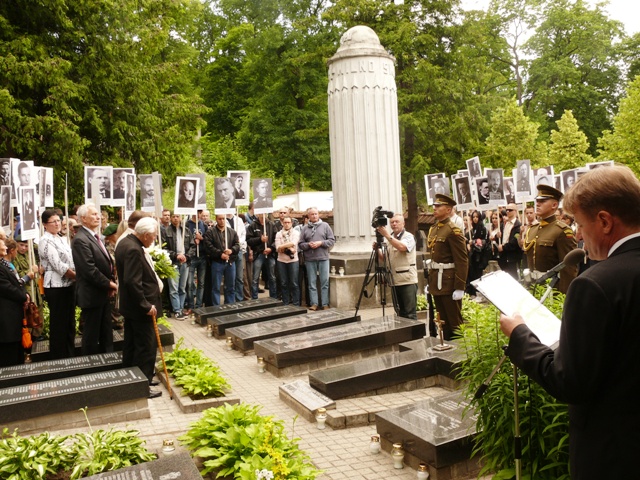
<point>288,266</point>
<point>401,250</point>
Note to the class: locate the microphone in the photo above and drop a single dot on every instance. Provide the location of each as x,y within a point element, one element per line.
<point>571,259</point>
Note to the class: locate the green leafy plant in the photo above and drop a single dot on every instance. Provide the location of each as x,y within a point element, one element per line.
<point>421,302</point>
<point>162,262</point>
<point>197,374</point>
<point>235,440</point>
<point>163,321</point>
<point>543,420</point>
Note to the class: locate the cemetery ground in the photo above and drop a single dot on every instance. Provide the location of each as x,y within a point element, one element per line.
<point>340,454</point>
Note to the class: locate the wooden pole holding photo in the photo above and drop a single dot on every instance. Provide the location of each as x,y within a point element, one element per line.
<point>66,207</point>
<point>264,223</point>
<point>31,257</point>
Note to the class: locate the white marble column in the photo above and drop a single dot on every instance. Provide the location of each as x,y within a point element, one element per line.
<point>364,138</point>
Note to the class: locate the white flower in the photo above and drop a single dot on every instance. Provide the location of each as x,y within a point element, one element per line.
<point>264,474</point>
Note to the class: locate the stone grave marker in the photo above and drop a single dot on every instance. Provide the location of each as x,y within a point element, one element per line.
<point>175,466</point>
<point>52,369</point>
<point>303,399</point>
<point>243,337</point>
<point>205,313</point>
<point>220,324</point>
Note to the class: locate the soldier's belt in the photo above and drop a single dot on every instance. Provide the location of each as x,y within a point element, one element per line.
<point>441,267</point>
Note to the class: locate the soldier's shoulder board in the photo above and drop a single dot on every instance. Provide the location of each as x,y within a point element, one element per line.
<point>568,232</point>
<point>457,231</point>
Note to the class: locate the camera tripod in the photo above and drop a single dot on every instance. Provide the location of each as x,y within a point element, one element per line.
<point>380,276</point>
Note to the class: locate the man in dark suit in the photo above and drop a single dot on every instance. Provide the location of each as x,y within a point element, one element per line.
<point>510,251</point>
<point>596,366</point>
<point>140,301</point>
<point>94,283</point>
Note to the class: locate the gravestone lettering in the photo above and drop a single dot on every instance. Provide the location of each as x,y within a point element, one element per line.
<point>301,392</point>
<point>220,324</point>
<point>205,313</point>
<point>176,466</point>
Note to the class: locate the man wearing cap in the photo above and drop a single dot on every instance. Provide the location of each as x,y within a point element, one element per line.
<point>547,243</point>
<point>401,249</point>
<point>510,251</point>
<point>448,266</point>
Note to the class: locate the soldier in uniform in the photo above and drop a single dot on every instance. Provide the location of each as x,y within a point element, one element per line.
<point>447,270</point>
<point>547,243</point>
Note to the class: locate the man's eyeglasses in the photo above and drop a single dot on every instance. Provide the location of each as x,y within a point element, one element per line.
<point>52,221</point>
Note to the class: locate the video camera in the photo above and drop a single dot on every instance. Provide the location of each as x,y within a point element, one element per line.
<point>380,216</point>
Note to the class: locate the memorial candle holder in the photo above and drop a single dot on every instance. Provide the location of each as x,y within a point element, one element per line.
<point>341,271</point>
<point>423,472</point>
<point>397,454</point>
<point>374,445</point>
<point>167,446</point>
<point>333,269</point>
<point>261,365</point>
<point>229,343</point>
<point>321,418</point>
<point>209,330</point>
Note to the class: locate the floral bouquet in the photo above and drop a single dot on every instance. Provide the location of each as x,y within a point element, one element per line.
<point>161,262</point>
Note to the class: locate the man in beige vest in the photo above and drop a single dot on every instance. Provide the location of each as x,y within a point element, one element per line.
<point>401,250</point>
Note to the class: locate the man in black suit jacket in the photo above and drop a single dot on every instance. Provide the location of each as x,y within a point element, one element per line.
<point>139,288</point>
<point>596,367</point>
<point>94,283</point>
<point>510,251</point>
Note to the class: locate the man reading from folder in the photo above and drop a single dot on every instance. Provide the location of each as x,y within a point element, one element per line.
<point>596,367</point>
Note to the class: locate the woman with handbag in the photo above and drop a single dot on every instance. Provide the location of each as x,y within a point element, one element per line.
<point>12,299</point>
<point>59,286</point>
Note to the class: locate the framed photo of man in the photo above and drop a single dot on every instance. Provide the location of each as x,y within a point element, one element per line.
<point>23,173</point>
<point>147,193</point>
<point>436,183</point>
<point>28,212</point>
<point>241,181</point>
<point>462,191</point>
<point>119,186</point>
<point>5,208</point>
<point>543,176</point>
<point>185,199</point>
<point>509,190</point>
<point>496,186</point>
<point>225,200</point>
<point>569,178</point>
<point>5,171</point>
<point>262,195</point>
<point>201,195</point>
<point>98,180</point>
<point>473,165</point>
<point>482,193</point>
<point>523,179</point>
<point>606,163</point>
<point>129,194</point>
<point>48,187</point>
<point>13,167</point>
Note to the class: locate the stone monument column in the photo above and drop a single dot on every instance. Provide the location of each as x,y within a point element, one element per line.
<point>364,138</point>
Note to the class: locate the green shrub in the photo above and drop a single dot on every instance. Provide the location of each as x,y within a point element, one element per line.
<point>236,440</point>
<point>31,458</point>
<point>543,421</point>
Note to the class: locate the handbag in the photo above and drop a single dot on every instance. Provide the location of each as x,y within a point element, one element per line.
<point>32,316</point>
<point>26,336</point>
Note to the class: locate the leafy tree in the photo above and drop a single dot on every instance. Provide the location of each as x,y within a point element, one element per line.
<point>568,146</point>
<point>513,137</point>
<point>623,143</point>
<point>97,82</point>
<point>574,67</point>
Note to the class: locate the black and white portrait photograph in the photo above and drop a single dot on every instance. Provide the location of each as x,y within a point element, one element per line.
<point>569,178</point>
<point>462,190</point>
<point>225,201</point>
<point>523,176</point>
<point>23,175</point>
<point>130,193</point>
<point>241,181</point>
<point>48,187</point>
<point>606,163</point>
<point>5,208</point>
<point>543,176</point>
<point>557,183</point>
<point>436,183</point>
<point>98,181</point>
<point>28,212</point>
<point>119,186</point>
<point>147,193</point>
<point>496,186</point>
<point>5,171</point>
<point>509,190</point>
<point>482,192</point>
<point>201,196</point>
<point>262,195</point>
<point>473,165</point>
<point>185,199</point>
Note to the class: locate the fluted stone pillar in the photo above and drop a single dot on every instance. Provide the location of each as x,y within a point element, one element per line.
<point>364,138</point>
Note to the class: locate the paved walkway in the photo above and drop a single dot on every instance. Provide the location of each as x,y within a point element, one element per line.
<point>341,454</point>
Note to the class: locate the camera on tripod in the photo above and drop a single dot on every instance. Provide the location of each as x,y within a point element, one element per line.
<point>380,216</point>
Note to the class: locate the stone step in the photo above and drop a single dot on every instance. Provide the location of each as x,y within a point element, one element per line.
<point>220,324</point>
<point>244,337</point>
<point>205,313</point>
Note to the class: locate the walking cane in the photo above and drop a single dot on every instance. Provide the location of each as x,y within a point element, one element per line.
<point>164,364</point>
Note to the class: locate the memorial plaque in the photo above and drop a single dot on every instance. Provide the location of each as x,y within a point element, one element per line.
<point>175,466</point>
<point>205,313</point>
<point>330,342</point>
<point>67,394</point>
<point>434,430</point>
<point>386,370</point>
<point>40,350</point>
<point>220,324</point>
<point>243,337</point>
<point>51,369</point>
<point>301,392</point>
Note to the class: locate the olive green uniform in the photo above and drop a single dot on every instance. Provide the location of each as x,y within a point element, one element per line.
<point>447,272</point>
<point>546,244</point>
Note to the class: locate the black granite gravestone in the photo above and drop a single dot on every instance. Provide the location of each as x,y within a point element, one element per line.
<point>220,324</point>
<point>175,466</point>
<point>67,394</point>
<point>433,430</point>
<point>244,336</point>
<point>205,313</point>
<point>329,342</point>
<point>386,370</point>
<point>52,369</point>
<point>40,350</point>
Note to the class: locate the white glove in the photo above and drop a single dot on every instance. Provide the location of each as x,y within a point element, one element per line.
<point>457,295</point>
